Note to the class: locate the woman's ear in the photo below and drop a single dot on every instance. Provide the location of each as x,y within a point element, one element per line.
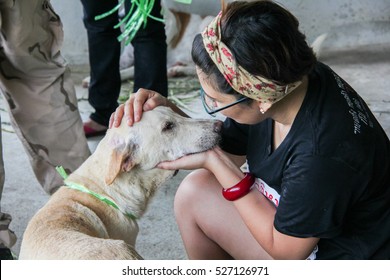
<point>263,107</point>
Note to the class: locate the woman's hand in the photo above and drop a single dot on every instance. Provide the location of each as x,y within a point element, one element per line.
<point>215,160</point>
<point>189,162</point>
<point>142,100</point>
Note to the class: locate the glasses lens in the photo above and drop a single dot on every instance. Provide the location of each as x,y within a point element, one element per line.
<point>206,101</point>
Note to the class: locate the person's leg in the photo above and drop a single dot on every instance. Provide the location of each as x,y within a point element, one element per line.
<point>40,96</point>
<point>104,53</point>
<point>38,89</point>
<point>7,236</point>
<point>150,55</point>
<point>210,226</point>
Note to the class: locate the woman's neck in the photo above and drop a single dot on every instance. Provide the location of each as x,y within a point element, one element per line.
<point>284,112</point>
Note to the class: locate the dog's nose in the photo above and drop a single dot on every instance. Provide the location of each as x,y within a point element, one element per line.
<point>218,126</point>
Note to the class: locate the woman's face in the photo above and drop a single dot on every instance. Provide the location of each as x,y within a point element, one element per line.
<point>244,112</point>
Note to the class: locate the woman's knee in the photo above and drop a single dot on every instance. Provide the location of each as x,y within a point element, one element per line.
<point>193,189</point>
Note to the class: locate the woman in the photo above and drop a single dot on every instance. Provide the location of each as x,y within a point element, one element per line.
<point>318,185</point>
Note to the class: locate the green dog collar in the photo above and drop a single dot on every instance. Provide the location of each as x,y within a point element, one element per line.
<point>83,189</point>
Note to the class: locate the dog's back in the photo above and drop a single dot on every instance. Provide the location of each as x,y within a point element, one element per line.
<point>72,225</point>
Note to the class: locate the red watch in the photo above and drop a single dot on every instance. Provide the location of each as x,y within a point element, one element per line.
<point>240,189</point>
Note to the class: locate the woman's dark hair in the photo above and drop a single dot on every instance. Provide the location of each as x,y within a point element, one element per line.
<point>264,39</point>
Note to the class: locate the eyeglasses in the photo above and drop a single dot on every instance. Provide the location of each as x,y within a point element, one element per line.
<point>210,106</point>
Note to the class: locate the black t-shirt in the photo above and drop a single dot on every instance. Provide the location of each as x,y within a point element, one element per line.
<point>332,171</point>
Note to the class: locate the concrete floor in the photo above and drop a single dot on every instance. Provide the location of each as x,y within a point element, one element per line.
<point>367,69</point>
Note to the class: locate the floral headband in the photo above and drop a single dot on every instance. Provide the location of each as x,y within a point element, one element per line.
<point>254,87</point>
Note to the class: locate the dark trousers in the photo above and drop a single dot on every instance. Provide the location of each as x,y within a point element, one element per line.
<point>150,57</point>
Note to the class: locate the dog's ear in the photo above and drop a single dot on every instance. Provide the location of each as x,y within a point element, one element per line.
<point>121,160</point>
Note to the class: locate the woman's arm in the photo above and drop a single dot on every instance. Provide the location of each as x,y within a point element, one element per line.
<point>256,210</point>
<point>258,213</point>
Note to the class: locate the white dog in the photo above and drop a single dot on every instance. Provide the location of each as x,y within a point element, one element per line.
<point>94,216</point>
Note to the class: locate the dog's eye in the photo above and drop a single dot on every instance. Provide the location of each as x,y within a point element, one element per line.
<point>168,126</point>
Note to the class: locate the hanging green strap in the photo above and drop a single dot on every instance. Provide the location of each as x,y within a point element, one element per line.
<point>184,1</point>
<point>138,15</point>
<point>83,189</point>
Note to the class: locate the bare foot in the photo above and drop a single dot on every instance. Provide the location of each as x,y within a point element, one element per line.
<point>92,129</point>
<point>95,126</point>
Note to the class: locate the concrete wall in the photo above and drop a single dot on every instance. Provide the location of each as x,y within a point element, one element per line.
<point>75,47</point>
<point>347,22</point>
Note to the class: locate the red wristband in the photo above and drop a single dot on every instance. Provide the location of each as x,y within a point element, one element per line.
<point>239,190</point>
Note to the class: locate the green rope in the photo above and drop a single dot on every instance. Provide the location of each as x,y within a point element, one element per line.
<point>115,9</point>
<point>138,15</point>
<point>83,189</point>
<point>184,1</point>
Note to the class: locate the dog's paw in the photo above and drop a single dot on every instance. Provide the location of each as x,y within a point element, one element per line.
<point>180,69</point>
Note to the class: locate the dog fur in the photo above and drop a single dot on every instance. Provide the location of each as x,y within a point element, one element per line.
<point>76,225</point>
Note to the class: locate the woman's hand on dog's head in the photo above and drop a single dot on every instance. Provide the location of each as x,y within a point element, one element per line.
<point>139,102</point>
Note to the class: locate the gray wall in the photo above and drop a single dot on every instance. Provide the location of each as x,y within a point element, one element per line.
<point>75,47</point>
<point>347,22</point>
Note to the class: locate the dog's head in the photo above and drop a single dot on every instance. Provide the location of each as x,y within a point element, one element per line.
<point>161,135</point>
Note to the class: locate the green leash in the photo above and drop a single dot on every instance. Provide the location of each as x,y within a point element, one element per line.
<point>83,189</point>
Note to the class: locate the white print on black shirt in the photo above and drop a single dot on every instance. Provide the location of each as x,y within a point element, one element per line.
<point>356,109</point>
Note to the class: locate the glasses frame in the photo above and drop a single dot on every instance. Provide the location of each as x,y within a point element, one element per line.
<point>212,112</point>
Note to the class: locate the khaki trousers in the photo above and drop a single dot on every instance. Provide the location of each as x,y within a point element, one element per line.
<point>40,96</point>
